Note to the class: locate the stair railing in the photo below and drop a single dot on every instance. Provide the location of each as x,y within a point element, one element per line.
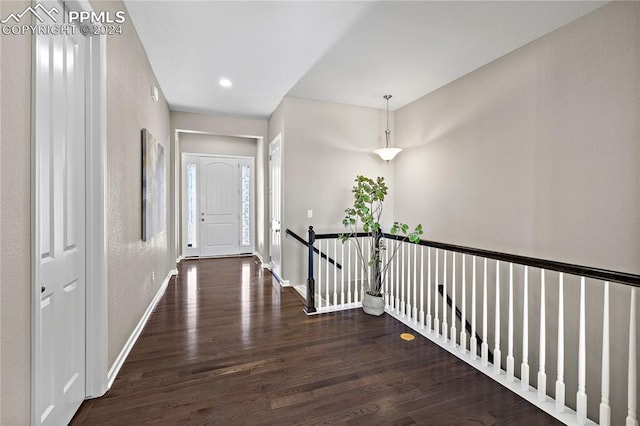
<point>512,302</point>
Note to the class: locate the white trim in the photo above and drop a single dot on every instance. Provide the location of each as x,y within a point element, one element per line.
<point>135,334</point>
<point>190,157</point>
<point>196,154</point>
<point>96,222</point>
<point>278,138</point>
<point>282,281</point>
<point>567,417</point>
<point>338,308</point>
<point>179,259</point>
<point>259,256</point>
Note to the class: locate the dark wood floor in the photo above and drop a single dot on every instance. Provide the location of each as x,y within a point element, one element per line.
<point>227,346</point>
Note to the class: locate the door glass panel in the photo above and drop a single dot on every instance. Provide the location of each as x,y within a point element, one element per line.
<point>245,210</point>
<point>192,212</point>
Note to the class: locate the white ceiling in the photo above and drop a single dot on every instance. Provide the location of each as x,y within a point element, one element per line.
<point>338,51</point>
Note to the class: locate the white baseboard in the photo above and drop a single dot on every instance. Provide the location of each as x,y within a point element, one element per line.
<point>124,353</point>
<point>264,265</point>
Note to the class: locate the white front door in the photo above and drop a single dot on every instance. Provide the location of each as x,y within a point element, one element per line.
<point>275,198</point>
<point>59,327</point>
<point>219,206</point>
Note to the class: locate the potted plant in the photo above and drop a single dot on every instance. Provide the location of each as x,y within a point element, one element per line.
<point>365,214</point>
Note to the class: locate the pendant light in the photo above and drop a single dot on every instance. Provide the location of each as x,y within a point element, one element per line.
<point>387,153</point>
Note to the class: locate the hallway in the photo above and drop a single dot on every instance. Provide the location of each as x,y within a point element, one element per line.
<point>226,345</point>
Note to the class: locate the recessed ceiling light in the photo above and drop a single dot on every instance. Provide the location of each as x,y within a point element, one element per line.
<point>225,82</point>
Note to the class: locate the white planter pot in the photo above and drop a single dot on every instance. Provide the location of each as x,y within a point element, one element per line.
<point>373,305</point>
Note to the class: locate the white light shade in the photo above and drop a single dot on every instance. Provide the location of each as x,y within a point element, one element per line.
<point>387,154</point>
<point>225,82</point>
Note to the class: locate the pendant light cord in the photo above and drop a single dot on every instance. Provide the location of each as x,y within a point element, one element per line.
<point>387,131</point>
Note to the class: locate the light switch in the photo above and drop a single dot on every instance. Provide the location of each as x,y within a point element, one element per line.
<point>309,213</point>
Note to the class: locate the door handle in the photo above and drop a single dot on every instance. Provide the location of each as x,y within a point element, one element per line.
<point>42,288</point>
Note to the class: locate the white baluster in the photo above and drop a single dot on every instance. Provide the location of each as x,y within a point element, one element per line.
<point>542,356</point>
<point>473,342</point>
<point>407,284</point>
<point>342,275</point>
<point>384,276</point>
<point>524,366</point>
<point>429,324</point>
<point>632,419</point>
<point>368,267</point>
<point>349,283</point>
<point>387,278</point>
<point>510,359</point>
<point>415,283</point>
<point>356,273</point>
<point>403,299</point>
<point>328,284</point>
<point>497,354</point>
<point>335,272</point>
<point>453,303</point>
<point>397,279</point>
<point>366,261</point>
<point>391,281</point>
<point>560,380</point>
<point>463,321</point>
<point>319,286</point>
<point>484,347</point>
<point>436,321</point>
<point>605,409</point>
<point>421,314</point>
<point>445,329</point>
<point>581,396</point>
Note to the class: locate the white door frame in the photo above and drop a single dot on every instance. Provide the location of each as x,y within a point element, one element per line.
<point>278,274</point>
<point>183,219</point>
<point>96,253</point>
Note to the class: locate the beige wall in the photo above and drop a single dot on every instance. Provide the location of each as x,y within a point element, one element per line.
<point>222,125</point>
<point>195,143</point>
<point>538,154</point>
<point>129,109</point>
<point>136,268</point>
<point>276,121</point>
<point>15,216</point>
<point>325,145</point>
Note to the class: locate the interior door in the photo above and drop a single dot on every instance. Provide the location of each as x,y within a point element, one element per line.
<point>59,326</point>
<point>219,206</point>
<point>275,198</point>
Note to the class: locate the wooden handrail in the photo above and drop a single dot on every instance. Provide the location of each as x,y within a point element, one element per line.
<point>322,254</point>
<point>549,265</point>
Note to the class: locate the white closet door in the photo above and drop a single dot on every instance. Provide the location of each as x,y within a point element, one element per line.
<point>59,343</point>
